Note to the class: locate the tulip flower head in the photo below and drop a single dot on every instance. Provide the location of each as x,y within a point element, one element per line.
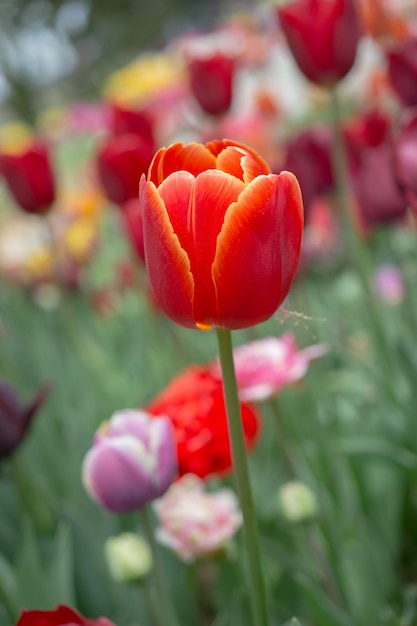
<point>132,461</point>
<point>15,417</point>
<point>29,177</point>
<point>222,235</point>
<point>195,405</point>
<point>61,616</point>
<point>402,70</point>
<point>196,523</point>
<point>323,36</point>
<point>265,366</point>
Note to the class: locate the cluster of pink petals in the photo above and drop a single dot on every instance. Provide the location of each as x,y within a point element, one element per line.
<point>194,522</point>
<point>265,366</point>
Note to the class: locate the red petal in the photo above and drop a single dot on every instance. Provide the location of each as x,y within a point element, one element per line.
<point>167,263</point>
<point>193,157</point>
<point>258,251</point>
<point>196,209</point>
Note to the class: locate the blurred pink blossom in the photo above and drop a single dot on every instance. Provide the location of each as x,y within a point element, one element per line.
<point>389,283</point>
<point>264,366</point>
<point>194,522</point>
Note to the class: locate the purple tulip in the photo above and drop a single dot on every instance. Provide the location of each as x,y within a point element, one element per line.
<point>16,417</point>
<point>132,462</point>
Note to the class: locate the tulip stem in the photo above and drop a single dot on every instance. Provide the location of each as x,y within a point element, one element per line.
<point>161,600</point>
<point>255,577</point>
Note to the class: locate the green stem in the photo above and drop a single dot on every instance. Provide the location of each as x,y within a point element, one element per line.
<point>161,601</point>
<point>240,463</point>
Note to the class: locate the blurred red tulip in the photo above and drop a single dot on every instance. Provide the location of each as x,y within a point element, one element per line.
<point>132,218</point>
<point>402,70</point>
<point>323,36</point>
<point>61,616</point>
<point>194,403</point>
<point>405,151</point>
<point>308,157</point>
<point>132,121</point>
<point>222,234</point>
<point>211,82</point>
<point>365,131</point>
<point>121,160</point>
<point>15,417</point>
<point>30,178</point>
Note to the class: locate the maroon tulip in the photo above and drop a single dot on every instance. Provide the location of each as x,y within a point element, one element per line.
<point>15,417</point>
<point>402,70</point>
<point>378,193</point>
<point>121,162</point>
<point>134,121</point>
<point>405,150</point>
<point>30,178</point>
<point>132,217</point>
<point>61,616</point>
<point>368,130</point>
<point>211,82</point>
<point>323,36</point>
<point>308,157</point>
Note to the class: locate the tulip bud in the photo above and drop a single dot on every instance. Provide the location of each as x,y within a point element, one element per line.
<point>129,557</point>
<point>211,82</point>
<point>15,418</point>
<point>132,461</point>
<point>297,502</point>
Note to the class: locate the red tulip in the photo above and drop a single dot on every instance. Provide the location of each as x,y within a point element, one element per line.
<point>405,151</point>
<point>211,82</point>
<point>368,130</point>
<point>16,417</point>
<point>308,157</point>
<point>323,36</point>
<point>194,403</point>
<point>121,161</point>
<point>222,234</point>
<point>132,217</point>
<point>30,178</point>
<point>402,70</point>
<point>134,121</point>
<point>61,616</point>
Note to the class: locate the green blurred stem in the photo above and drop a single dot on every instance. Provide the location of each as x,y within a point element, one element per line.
<point>255,577</point>
<point>161,601</point>
<point>357,249</point>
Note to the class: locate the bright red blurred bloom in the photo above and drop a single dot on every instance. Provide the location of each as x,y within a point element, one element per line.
<point>402,70</point>
<point>368,130</point>
<point>323,36</point>
<point>16,417</point>
<point>211,82</point>
<point>61,616</point>
<point>121,161</point>
<point>132,218</point>
<point>132,121</point>
<point>222,234</point>
<point>194,403</point>
<point>30,178</point>
<point>308,156</point>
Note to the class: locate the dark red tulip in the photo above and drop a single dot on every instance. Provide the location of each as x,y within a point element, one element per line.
<point>402,70</point>
<point>211,82</point>
<point>405,150</point>
<point>323,36</point>
<point>379,195</point>
<point>368,130</point>
<point>16,417</point>
<point>309,158</point>
<point>135,121</point>
<point>121,161</point>
<point>132,217</point>
<point>30,178</point>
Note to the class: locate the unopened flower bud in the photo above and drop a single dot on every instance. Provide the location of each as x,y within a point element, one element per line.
<point>129,557</point>
<point>297,502</point>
